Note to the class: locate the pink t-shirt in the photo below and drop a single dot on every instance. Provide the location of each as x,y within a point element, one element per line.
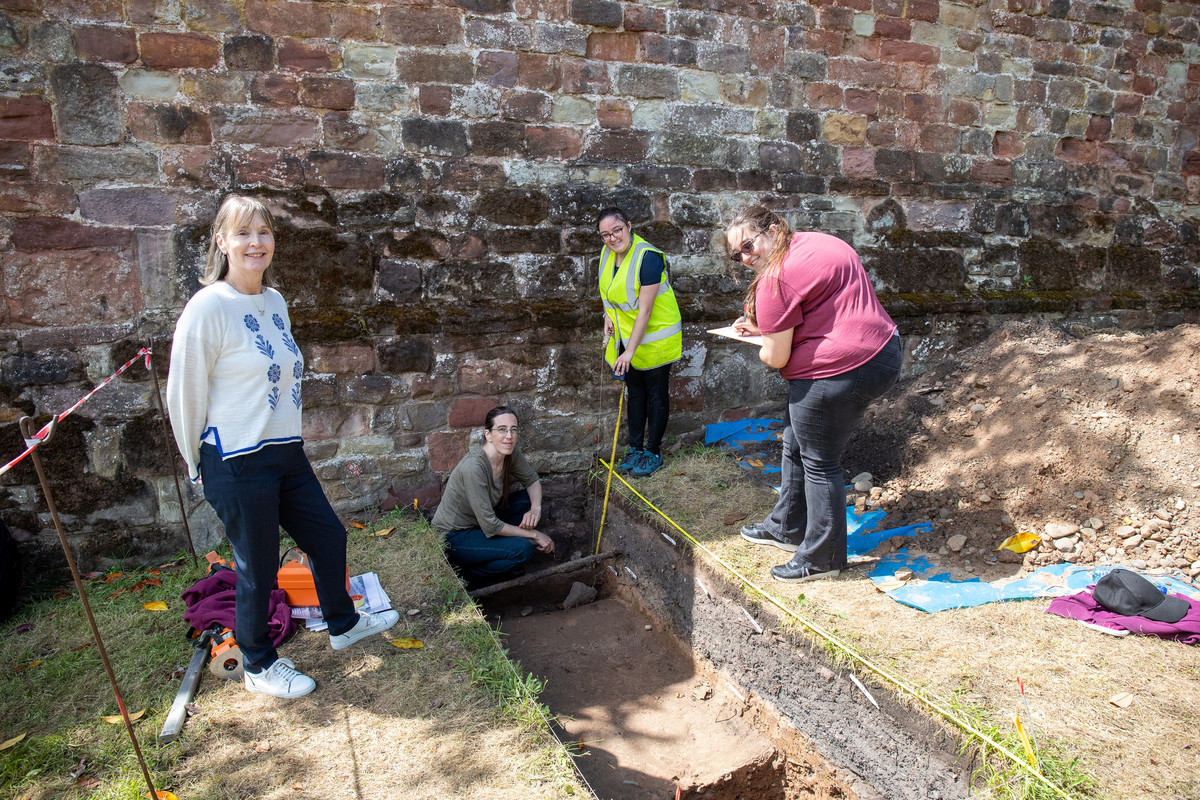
<point>822,291</point>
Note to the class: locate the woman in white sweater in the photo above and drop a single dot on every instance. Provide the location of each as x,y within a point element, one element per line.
<point>234,398</point>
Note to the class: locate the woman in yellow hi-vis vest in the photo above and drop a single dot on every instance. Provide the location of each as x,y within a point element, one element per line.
<point>645,334</point>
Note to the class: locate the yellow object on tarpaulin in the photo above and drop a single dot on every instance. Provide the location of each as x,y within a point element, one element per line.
<point>1021,542</point>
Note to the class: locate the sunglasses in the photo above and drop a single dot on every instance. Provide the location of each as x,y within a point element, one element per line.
<point>746,249</point>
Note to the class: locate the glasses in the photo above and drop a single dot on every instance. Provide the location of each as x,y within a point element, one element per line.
<point>502,432</point>
<point>746,249</point>
<point>613,234</point>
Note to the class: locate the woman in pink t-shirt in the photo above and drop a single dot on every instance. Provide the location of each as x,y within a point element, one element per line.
<point>826,332</point>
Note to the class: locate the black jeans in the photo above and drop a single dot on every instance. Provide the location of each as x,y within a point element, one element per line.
<point>649,393</point>
<point>822,413</point>
<point>254,495</point>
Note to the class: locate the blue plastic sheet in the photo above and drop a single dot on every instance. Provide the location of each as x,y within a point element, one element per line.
<point>933,591</point>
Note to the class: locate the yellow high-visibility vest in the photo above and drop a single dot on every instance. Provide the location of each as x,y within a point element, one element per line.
<point>663,340</point>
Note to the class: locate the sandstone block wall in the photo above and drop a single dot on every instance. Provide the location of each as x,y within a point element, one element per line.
<point>436,166</point>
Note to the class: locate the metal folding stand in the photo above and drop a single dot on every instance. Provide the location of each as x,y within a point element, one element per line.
<point>29,432</point>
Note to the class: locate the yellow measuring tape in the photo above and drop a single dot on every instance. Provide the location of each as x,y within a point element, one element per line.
<point>612,459</point>
<point>913,691</point>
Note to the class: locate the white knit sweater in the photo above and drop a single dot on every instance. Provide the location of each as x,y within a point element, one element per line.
<point>235,374</point>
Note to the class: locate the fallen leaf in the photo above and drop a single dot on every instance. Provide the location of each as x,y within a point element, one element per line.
<point>137,587</point>
<point>383,534</point>
<point>262,747</point>
<point>83,646</point>
<point>358,525</point>
<point>13,741</point>
<point>681,473</point>
<point>91,576</point>
<point>62,595</point>
<point>115,719</point>
<point>155,605</point>
<point>117,593</point>
<point>28,626</point>
<point>155,571</point>
<point>1020,543</point>
<point>87,782</point>
<point>297,786</point>
<point>1121,700</point>
<point>754,462</point>
<point>24,667</point>
<point>112,576</point>
<point>734,517</point>
<point>162,794</point>
<point>408,644</point>
<point>79,770</point>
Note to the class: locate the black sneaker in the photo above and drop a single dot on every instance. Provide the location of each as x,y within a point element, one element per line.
<point>757,532</point>
<point>793,572</point>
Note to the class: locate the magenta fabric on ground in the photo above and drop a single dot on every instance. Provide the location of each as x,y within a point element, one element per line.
<point>1083,607</point>
<point>211,601</point>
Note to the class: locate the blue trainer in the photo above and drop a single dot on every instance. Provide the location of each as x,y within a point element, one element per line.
<point>632,456</point>
<point>649,464</point>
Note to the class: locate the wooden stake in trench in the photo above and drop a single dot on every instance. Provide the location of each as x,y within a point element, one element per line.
<point>28,431</point>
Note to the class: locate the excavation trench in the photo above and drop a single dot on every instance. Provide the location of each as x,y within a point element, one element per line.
<point>664,681</point>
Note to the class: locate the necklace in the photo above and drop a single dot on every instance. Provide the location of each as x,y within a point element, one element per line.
<point>263,309</point>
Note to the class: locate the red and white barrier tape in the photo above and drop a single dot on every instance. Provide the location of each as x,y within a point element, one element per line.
<point>144,352</point>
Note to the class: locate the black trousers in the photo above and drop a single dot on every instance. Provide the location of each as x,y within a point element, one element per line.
<point>648,393</point>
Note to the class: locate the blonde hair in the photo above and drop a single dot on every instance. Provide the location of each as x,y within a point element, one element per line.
<point>758,220</point>
<point>235,210</point>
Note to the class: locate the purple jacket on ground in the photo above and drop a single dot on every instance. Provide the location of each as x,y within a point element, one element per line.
<point>1083,606</point>
<point>212,601</point>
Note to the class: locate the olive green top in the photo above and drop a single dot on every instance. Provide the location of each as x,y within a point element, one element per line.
<point>472,493</point>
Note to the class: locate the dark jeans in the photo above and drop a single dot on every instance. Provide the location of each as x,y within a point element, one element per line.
<point>649,401</point>
<point>822,413</point>
<point>254,495</point>
<point>483,560</point>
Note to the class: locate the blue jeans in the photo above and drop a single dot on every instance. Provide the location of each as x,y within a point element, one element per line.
<point>254,495</point>
<point>483,559</point>
<point>822,413</point>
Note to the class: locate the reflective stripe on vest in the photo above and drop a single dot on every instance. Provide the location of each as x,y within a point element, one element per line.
<point>662,341</point>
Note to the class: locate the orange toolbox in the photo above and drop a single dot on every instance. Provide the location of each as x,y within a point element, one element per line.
<point>296,580</point>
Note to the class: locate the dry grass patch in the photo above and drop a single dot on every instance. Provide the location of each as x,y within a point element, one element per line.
<point>451,719</point>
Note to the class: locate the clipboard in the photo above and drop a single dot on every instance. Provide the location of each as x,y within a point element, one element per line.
<point>729,332</point>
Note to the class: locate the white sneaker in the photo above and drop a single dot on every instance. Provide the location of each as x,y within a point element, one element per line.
<point>281,679</point>
<point>367,625</point>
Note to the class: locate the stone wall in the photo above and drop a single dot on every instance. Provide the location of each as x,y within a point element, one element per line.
<point>436,167</point>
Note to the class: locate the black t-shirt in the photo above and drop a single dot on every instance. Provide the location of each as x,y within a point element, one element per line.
<point>651,270</point>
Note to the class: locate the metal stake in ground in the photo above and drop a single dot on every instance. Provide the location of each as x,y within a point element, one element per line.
<point>28,432</point>
<point>167,438</point>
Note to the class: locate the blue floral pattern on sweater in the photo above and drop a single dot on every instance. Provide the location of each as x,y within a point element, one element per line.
<point>273,373</point>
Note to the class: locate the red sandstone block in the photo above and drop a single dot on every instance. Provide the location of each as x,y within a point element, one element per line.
<point>1191,163</point>
<point>622,146</point>
<point>194,167</point>
<point>71,287</point>
<point>938,138</point>
<point>831,43</point>
<point>425,27</point>
<point>179,51</point>
<point>858,162</point>
<point>335,422</point>
<point>468,412</point>
<point>259,167</point>
<point>332,93</point>
<point>497,68</point>
<point>273,89</point>
<point>102,43</point>
<point>767,48</point>
<point>264,128</point>
<point>303,57</point>
<point>862,101</point>
<point>57,233</point>
<point>553,141</point>
<point>580,76</point>
<point>25,118</point>
<point>36,198</point>
<point>644,18</point>
<point>543,10</point>
<point>823,95</point>
<point>893,28</point>
<point>435,100</point>
<point>446,450</point>
<point>305,19</point>
<point>833,18</point>
<point>614,114</point>
<point>538,71</point>
<point>997,173</point>
<point>15,159</point>
<point>344,170</point>
<point>908,52</point>
<point>855,71</point>
<point>488,377</point>
<point>923,10</point>
<point>1144,84</point>
<point>354,22</point>
<point>1007,145</point>
<point>527,106</point>
<point>1079,151</point>
<point>923,107</point>
<point>881,134</point>
<point>969,40</point>
<point>887,8</point>
<point>612,46</point>
<point>1014,23</point>
<point>168,124</point>
<point>341,359</point>
<point>1099,128</point>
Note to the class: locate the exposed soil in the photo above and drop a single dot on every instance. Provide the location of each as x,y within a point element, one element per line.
<point>1094,436</point>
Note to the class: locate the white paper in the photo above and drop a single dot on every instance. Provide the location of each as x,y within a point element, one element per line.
<point>729,332</point>
<point>375,599</point>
